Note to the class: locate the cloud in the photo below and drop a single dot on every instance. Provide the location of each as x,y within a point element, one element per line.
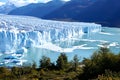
<point>2,3</point>
<point>25,2</point>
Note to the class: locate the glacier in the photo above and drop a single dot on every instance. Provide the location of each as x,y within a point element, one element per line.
<point>17,32</point>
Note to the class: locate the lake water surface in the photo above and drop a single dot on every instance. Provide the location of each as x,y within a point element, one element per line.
<point>84,47</point>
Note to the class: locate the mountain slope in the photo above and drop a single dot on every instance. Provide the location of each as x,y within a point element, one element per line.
<point>70,9</point>
<point>38,9</point>
<point>105,12</point>
<point>6,8</point>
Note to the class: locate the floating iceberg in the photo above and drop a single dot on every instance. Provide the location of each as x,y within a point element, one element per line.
<point>17,32</point>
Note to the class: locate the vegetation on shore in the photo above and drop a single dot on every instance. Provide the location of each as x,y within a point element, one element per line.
<point>102,65</point>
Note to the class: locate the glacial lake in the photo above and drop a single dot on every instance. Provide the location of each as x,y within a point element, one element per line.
<point>84,48</point>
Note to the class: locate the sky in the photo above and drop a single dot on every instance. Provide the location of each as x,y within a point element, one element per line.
<point>19,3</point>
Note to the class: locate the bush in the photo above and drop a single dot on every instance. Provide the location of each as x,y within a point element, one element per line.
<point>109,75</point>
<point>100,61</point>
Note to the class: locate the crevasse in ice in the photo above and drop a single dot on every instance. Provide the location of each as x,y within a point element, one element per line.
<point>17,32</point>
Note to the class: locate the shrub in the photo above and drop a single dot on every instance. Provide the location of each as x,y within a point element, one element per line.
<point>100,61</point>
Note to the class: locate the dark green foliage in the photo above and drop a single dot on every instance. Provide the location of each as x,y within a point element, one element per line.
<point>3,70</point>
<point>34,65</point>
<point>75,63</point>
<point>62,61</point>
<point>5,74</point>
<point>100,61</point>
<point>102,65</point>
<point>109,75</point>
<point>45,62</point>
<point>46,71</point>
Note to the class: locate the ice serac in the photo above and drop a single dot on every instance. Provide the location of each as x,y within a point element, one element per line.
<point>18,32</point>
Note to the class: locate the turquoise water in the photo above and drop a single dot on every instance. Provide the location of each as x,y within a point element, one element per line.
<point>84,48</point>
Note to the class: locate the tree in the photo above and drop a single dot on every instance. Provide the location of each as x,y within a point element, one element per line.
<point>75,62</point>
<point>62,61</point>
<point>34,65</point>
<point>100,61</point>
<point>104,50</point>
<point>45,62</point>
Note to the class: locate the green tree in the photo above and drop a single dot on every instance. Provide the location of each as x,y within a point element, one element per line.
<point>34,65</point>
<point>62,61</point>
<point>75,62</point>
<point>45,62</point>
<point>101,60</point>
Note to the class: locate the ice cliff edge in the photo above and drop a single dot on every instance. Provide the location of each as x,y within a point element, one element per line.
<point>17,32</point>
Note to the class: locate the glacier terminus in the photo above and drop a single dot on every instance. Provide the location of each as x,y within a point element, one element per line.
<point>19,33</point>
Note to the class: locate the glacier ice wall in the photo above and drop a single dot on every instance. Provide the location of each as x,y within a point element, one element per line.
<point>17,32</point>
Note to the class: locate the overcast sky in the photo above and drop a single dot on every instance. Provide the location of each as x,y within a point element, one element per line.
<point>24,2</point>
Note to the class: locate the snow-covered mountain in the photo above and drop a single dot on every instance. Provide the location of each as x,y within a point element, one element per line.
<point>6,8</point>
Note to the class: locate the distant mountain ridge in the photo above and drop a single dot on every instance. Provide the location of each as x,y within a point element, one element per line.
<point>69,10</point>
<point>105,12</point>
<point>6,8</point>
<point>38,9</point>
